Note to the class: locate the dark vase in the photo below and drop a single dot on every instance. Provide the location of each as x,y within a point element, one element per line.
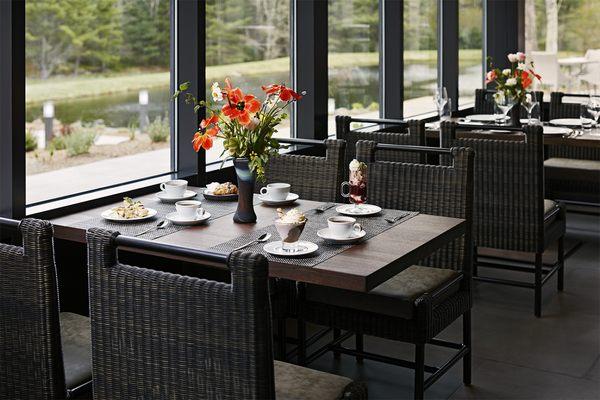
<point>515,115</point>
<point>246,180</point>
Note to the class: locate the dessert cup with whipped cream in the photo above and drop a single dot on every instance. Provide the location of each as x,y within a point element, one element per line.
<point>290,225</point>
<point>357,183</point>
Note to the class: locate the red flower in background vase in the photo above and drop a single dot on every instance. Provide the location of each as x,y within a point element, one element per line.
<point>526,79</point>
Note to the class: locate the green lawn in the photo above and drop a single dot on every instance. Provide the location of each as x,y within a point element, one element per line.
<point>64,88</point>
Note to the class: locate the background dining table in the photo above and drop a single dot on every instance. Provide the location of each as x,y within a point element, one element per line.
<point>360,267</point>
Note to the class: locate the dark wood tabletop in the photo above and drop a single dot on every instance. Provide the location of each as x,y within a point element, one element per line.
<point>361,268</point>
<point>581,140</point>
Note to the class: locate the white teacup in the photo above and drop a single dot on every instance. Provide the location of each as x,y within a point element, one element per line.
<point>189,209</point>
<point>175,188</point>
<point>276,191</point>
<point>343,227</point>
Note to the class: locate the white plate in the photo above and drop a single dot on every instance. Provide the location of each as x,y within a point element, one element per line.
<point>326,235</point>
<point>112,216</point>
<point>482,117</point>
<point>177,220</point>
<point>570,122</point>
<point>291,197</point>
<point>162,196</point>
<point>557,130</point>
<point>275,249</point>
<point>363,209</point>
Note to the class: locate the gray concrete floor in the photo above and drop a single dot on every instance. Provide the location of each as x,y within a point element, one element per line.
<point>515,355</point>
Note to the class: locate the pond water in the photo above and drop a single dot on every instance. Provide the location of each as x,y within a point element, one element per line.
<point>348,86</point>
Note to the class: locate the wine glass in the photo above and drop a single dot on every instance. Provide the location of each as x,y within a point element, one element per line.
<point>357,189</point>
<point>504,103</point>
<point>440,98</point>
<point>529,103</point>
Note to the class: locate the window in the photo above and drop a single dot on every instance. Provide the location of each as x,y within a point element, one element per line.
<point>353,59</point>
<point>560,35</point>
<point>97,94</point>
<point>420,55</point>
<point>470,53</point>
<point>249,42</point>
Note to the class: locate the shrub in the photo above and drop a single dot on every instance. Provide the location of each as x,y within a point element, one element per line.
<point>159,130</point>
<point>80,140</point>
<point>374,106</point>
<point>30,141</point>
<point>357,106</point>
<point>58,143</point>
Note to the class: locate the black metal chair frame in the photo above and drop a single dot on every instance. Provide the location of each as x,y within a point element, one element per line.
<point>463,350</point>
<point>542,273</point>
<point>414,135</point>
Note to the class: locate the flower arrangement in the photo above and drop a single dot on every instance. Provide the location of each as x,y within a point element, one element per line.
<point>245,124</point>
<point>513,82</point>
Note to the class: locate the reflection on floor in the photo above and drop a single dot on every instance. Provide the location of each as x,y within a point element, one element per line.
<point>516,355</point>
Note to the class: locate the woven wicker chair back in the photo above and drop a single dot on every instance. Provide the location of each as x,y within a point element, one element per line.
<point>509,189</point>
<point>560,109</point>
<point>31,364</point>
<point>165,336</point>
<point>430,189</point>
<point>413,133</point>
<point>312,178</point>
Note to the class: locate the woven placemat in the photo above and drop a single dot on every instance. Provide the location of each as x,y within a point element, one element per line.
<point>217,209</point>
<point>373,225</point>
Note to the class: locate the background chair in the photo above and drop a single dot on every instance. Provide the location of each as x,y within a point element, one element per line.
<point>546,65</point>
<point>44,354</point>
<point>572,172</point>
<point>591,71</point>
<point>509,210</point>
<point>162,335</point>
<point>411,132</point>
<point>312,178</point>
<point>421,301</point>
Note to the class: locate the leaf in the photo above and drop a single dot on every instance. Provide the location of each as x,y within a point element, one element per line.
<point>196,108</point>
<point>184,86</point>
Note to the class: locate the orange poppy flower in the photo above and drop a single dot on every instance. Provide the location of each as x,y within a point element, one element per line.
<point>526,79</point>
<point>239,106</point>
<point>204,137</point>
<point>285,93</point>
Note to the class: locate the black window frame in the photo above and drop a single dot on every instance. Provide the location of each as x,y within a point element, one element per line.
<point>309,71</point>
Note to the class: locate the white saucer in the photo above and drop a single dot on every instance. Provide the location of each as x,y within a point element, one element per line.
<point>363,209</point>
<point>570,122</point>
<point>112,216</point>
<point>482,117</point>
<point>557,130</point>
<point>291,197</point>
<point>326,235</point>
<point>162,196</point>
<point>177,220</point>
<point>275,249</point>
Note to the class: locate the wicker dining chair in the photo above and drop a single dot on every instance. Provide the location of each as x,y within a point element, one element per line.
<point>572,172</point>
<point>158,335</point>
<point>510,212</point>
<point>44,354</point>
<point>312,177</point>
<point>410,132</point>
<point>484,103</point>
<point>418,303</point>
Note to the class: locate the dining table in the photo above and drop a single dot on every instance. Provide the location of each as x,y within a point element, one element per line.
<point>362,266</point>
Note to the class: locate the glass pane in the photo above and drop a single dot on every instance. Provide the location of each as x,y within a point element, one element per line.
<point>470,45</point>
<point>561,37</point>
<point>420,56</point>
<point>353,59</point>
<point>249,42</point>
<point>97,94</point>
